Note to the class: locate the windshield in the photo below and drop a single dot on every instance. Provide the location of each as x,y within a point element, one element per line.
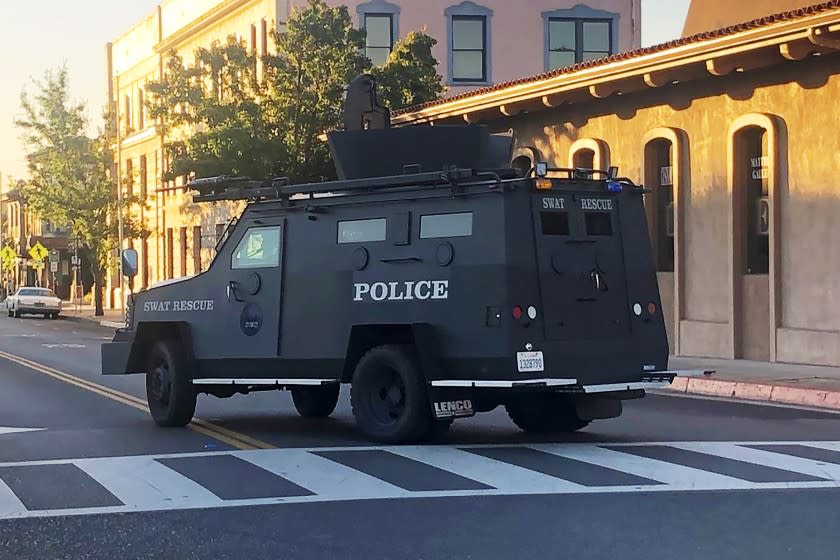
<point>43,292</point>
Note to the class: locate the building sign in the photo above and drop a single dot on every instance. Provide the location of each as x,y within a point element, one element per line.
<point>666,176</point>
<point>759,167</point>
<point>762,226</point>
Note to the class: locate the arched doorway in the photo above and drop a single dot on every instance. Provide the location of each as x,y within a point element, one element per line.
<point>665,172</point>
<point>584,159</point>
<point>755,150</point>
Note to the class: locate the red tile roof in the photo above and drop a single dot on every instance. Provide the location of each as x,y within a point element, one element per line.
<point>731,30</point>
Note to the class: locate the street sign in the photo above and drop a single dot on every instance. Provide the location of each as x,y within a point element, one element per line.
<point>38,251</point>
<point>74,260</point>
<point>54,256</point>
<point>53,266</point>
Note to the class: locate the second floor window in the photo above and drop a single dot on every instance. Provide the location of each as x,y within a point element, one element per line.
<point>380,37</point>
<point>577,40</point>
<point>469,50</point>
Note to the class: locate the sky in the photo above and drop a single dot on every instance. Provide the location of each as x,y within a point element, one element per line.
<point>39,35</point>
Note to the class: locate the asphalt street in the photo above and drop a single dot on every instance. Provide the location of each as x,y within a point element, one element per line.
<point>92,477</point>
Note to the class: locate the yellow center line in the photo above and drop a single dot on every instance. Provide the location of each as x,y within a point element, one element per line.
<point>230,437</point>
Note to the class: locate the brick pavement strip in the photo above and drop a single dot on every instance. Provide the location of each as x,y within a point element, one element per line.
<point>754,391</point>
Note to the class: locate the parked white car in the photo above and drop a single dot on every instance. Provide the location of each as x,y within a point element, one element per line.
<point>38,301</point>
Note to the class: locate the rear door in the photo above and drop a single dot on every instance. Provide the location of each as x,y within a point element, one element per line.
<point>581,265</point>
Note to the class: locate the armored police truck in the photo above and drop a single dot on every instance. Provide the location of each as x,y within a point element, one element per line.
<point>431,276</point>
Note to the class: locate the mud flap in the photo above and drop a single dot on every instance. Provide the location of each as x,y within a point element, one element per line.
<point>597,407</point>
<point>451,402</point>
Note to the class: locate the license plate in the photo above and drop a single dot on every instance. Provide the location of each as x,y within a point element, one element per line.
<point>530,361</point>
<point>39,304</point>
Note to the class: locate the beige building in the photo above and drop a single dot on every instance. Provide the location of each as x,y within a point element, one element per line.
<point>735,132</point>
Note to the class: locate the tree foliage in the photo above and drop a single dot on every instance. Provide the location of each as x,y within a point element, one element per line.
<point>70,182</point>
<point>409,76</point>
<point>219,117</point>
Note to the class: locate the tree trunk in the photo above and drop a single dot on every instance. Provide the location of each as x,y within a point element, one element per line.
<point>98,281</point>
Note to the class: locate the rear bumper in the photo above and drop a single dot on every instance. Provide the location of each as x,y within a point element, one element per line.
<point>651,380</point>
<point>37,310</point>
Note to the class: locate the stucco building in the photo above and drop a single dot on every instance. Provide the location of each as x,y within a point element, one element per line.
<point>735,132</point>
<point>479,43</point>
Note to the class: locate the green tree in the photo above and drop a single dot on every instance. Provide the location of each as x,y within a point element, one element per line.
<point>210,115</point>
<point>318,54</point>
<point>219,120</point>
<point>409,76</point>
<point>71,180</point>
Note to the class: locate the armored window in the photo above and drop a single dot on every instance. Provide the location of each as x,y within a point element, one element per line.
<point>259,248</point>
<point>380,37</point>
<point>469,49</point>
<point>598,223</point>
<point>446,225</point>
<point>571,41</point>
<point>361,231</point>
<point>554,223</point>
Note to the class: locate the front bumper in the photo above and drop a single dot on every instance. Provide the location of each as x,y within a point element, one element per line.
<point>116,354</point>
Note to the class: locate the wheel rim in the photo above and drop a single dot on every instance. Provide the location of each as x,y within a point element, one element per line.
<point>159,383</point>
<point>386,399</point>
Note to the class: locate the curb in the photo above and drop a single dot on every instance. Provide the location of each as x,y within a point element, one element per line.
<point>760,392</point>
<point>100,322</point>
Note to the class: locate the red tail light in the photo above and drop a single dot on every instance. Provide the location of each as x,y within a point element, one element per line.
<point>517,312</point>
<point>651,308</point>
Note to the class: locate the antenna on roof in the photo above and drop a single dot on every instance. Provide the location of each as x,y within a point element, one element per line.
<point>361,109</point>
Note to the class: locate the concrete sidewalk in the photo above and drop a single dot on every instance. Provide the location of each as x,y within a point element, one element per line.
<point>814,386</point>
<point>113,318</point>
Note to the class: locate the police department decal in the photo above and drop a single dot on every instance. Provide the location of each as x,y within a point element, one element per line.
<point>250,320</point>
<point>401,291</point>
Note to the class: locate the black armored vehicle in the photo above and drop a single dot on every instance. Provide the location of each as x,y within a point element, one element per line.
<point>431,276</point>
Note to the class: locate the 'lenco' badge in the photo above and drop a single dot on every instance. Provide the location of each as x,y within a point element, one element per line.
<point>401,291</point>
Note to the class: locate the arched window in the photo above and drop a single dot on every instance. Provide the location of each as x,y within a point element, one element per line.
<point>751,187</point>
<point>589,153</point>
<point>659,177</point>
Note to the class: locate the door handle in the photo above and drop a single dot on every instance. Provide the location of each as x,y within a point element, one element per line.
<point>401,260</point>
<point>233,288</point>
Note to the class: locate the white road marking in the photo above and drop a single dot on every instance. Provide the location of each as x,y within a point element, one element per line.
<point>10,505</point>
<point>143,484</point>
<point>777,459</point>
<point>4,431</point>
<point>668,473</point>
<point>320,475</point>
<point>62,345</point>
<point>500,475</point>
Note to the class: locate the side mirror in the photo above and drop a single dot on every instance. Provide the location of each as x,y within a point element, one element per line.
<point>129,262</point>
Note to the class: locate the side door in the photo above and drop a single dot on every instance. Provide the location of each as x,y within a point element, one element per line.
<point>248,318</point>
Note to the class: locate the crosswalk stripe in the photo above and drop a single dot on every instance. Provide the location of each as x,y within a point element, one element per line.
<point>493,473</point>
<point>142,482</point>
<point>146,483</point>
<point>10,505</point>
<point>830,445</point>
<point>667,473</point>
<point>766,459</point>
<point>320,475</point>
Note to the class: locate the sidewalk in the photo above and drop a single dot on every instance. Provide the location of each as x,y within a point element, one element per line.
<point>814,386</point>
<point>113,318</point>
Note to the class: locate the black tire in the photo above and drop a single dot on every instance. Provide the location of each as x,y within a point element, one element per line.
<point>545,413</point>
<point>16,314</point>
<point>388,395</point>
<point>169,392</point>
<point>316,402</point>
